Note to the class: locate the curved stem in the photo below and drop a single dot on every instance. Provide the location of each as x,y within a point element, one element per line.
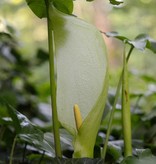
<point>53,85</point>
<point>103,152</point>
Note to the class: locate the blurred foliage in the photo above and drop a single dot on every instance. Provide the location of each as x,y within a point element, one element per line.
<point>129,19</point>
<point>16,87</point>
<point>31,38</point>
<point>134,17</point>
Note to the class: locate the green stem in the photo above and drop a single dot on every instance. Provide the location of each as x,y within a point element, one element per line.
<point>53,85</point>
<point>103,152</point>
<point>126,114</point>
<point>12,150</point>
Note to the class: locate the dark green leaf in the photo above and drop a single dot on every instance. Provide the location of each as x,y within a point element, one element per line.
<point>38,7</point>
<point>65,6</point>
<point>115,2</point>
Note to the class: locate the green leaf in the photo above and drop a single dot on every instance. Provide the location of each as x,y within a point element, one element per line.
<point>143,153</point>
<point>38,141</point>
<point>115,35</point>
<point>143,158</point>
<point>44,141</point>
<point>39,8</point>
<point>82,77</point>
<point>114,2</point>
<point>151,44</point>
<point>114,150</point>
<point>141,42</point>
<point>65,6</point>
<point>66,141</point>
<point>31,134</point>
<point>16,122</point>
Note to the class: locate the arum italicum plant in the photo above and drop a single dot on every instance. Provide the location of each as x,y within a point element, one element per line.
<point>80,67</point>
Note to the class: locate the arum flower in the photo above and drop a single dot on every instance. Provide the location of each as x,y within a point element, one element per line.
<point>81,78</point>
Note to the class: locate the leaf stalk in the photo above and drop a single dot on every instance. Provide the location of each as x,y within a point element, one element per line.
<point>55,121</point>
<point>103,152</point>
<point>126,114</point>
